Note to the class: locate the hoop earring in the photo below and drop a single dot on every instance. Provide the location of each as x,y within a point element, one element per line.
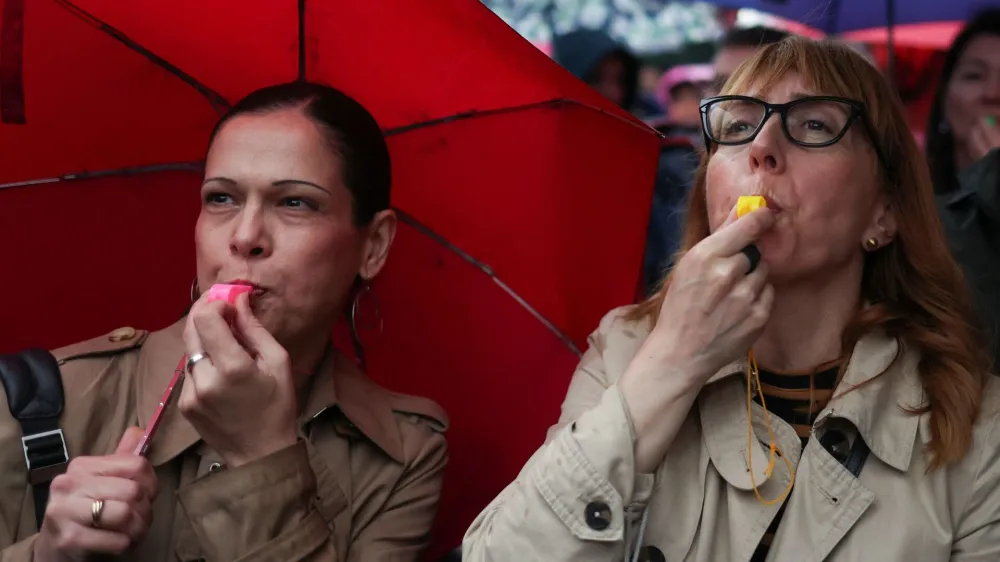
<point>195,290</point>
<point>871,244</point>
<point>359,296</point>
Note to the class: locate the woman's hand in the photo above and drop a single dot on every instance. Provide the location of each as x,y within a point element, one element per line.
<point>240,399</point>
<point>127,486</point>
<point>984,137</point>
<point>712,313</point>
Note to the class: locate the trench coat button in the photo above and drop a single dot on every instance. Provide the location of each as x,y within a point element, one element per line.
<point>836,443</point>
<point>598,515</point>
<point>651,554</point>
<point>122,334</point>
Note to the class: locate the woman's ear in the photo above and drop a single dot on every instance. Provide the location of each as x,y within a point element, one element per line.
<point>378,239</point>
<point>882,228</point>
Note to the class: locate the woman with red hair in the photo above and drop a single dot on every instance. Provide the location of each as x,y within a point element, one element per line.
<point>807,385</point>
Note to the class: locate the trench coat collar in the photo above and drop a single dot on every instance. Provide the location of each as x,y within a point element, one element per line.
<point>878,409</point>
<point>338,385</point>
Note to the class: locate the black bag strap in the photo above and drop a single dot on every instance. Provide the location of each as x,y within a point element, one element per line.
<point>35,397</point>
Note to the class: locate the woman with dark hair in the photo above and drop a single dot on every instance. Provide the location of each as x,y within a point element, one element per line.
<point>967,103</point>
<point>278,448</point>
<point>808,383</point>
<point>962,135</point>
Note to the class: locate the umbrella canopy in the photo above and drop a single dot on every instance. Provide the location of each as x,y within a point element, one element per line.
<point>526,195</point>
<point>838,16</point>
<point>936,35</point>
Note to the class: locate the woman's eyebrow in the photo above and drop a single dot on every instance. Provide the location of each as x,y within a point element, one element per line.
<point>218,179</point>
<point>281,183</point>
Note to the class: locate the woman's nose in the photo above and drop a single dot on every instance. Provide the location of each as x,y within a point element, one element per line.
<point>250,239</point>
<point>766,150</point>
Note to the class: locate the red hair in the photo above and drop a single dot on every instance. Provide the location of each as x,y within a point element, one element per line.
<point>916,288</point>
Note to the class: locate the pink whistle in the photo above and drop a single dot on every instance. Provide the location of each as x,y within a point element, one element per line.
<point>228,293</point>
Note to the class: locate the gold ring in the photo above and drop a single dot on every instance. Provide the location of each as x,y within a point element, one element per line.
<point>96,510</point>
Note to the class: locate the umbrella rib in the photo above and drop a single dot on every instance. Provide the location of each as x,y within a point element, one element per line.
<point>489,272</point>
<point>196,167</point>
<point>302,40</point>
<point>475,113</point>
<point>218,103</point>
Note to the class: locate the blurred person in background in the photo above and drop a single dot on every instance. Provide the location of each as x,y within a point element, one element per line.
<point>648,105</point>
<point>604,64</point>
<point>680,90</point>
<point>962,137</point>
<point>678,159</point>
<point>739,44</point>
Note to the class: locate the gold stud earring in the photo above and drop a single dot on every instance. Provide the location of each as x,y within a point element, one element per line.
<point>871,243</point>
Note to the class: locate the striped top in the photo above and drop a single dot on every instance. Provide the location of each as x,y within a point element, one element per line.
<point>796,398</point>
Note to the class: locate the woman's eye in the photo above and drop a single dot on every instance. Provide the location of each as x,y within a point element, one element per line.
<point>817,125</point>
<point>218,199</point>
<point>298,203</point>
<point>736,126</point>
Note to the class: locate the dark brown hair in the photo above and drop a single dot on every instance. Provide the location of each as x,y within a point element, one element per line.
<point>940,144</point>
<point>350,130</point>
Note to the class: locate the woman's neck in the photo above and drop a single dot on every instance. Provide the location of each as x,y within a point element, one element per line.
<point>808,320</point>
<point>306,354</point>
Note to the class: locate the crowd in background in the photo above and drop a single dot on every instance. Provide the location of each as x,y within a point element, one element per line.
<point>959,137</point>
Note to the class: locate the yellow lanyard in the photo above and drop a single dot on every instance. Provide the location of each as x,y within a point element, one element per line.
<point>753,375</point>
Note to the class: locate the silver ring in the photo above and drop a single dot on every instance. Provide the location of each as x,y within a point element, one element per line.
<point>194,359</point>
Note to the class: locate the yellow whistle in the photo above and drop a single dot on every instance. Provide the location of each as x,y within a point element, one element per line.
<point>747,203</point>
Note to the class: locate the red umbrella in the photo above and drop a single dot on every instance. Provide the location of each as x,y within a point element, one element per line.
<point>105,107</point>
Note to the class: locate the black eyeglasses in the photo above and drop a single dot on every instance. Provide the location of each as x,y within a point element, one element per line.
<point>815,121</point>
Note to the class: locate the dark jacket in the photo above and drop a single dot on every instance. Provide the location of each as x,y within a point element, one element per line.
<point>582,50</point>
<point>971,217</point>
<point>674,177</point>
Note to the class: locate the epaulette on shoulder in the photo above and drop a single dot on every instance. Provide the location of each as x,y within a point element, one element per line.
<point>424,408</point>
<point>112,343</point>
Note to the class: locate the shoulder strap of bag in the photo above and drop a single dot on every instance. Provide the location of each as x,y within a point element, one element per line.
<point>35,397</point>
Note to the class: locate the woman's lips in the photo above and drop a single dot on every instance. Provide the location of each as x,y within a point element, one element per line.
<point>772,204</point>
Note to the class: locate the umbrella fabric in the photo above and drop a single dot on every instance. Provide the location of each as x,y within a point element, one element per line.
<point>837,16</point>
<point>932,35</point>
<point>105,108</point>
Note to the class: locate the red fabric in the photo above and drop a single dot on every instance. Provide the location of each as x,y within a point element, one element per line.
<point>555,199</point>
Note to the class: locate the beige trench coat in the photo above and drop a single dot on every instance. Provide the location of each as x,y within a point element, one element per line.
<point>363,485</point>
<point>579,498</point>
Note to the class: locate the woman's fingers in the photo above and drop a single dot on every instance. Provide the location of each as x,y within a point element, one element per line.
<point>126,468</point>
<point>733,238</point>
<point>215,336</point>
<point>747,291</point>
<point>984,137</point>
<point>257,336</point>
<point>760,312</point>
<point>116,516</point>
<point>74,539</point>
<point>977,142</point>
